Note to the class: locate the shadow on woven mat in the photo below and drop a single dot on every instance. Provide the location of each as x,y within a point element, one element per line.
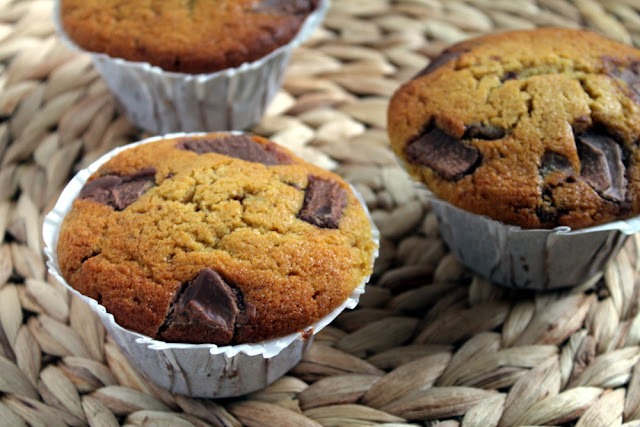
<point>429,344</point>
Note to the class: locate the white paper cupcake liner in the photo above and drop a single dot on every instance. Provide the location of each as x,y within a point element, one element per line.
<point>530,259</point>
<point>198,370</point>
<point>163,102</point>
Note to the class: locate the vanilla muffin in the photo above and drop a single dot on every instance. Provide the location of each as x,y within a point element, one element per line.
<point>535,128</point>
<point>216,238</point>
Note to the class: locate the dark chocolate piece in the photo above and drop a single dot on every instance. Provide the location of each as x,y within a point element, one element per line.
<point>100,189</point>
<point>546,215</point>
<point>582,124</point>
<point>489,133</point>
<point>509,75</point>
<point>437,62</point>
<point>554,162</point>
<point>602,166</point>
<point>118,191</point>
<point>206,300</point>
<point>629,73</point>
<point>448,156</point>
<point>285,7</point>
<point>239,146</point>
<point>323,203</point>
<point>548,211</point>
<point>209,307</point>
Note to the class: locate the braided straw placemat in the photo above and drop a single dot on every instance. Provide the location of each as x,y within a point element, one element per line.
<point>430,343</point>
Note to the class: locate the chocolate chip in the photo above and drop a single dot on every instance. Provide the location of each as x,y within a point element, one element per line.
<point>509,75</point>
<point>602,166</point>
<point>207,303</point>
<point>323,203</point>
<point>548,212</point>
<point>628,73</point>
<point>448,156</point>
<point>487,132</point>
<point>554,162</point>
<point>546,215</point>
<point>437,62</point>
<point>239,146</point>
<point>285,7</point>
<point>582,124</point>
<point>118,191</point>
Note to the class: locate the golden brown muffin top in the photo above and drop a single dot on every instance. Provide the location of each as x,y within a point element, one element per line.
<point>536,128</point>
<point>216,239</point>
<point>195,36</point>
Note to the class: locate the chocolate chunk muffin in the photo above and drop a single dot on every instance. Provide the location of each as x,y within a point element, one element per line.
<point>215,238</point>
<point>535,128</point>
<point>184,36</point>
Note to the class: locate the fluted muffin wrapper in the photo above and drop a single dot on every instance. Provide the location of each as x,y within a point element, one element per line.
<point>197,370</point>
<point>536,259</point>
<point>161,101</point>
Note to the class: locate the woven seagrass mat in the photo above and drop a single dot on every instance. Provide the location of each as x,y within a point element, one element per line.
<point>429,344</point>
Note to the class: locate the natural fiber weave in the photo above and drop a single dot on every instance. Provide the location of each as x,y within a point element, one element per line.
<point>430,343</point>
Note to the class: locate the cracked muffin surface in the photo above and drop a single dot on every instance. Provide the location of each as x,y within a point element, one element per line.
<point>195,36</point>
<point>217,238</point>
<point>536,128</point>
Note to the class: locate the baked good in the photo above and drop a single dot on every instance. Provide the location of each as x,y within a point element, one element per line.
<point>215,238</point>
<point>184,36</point>
<point>190,66</point>
<point>535,128</point>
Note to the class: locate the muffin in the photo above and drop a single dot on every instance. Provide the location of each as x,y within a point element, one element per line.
<point>532,128</point>
<point>192,37</point>
<point>220,243</point>
<point>536,129</point>
<point>190,66</point>
<point>220,239</point>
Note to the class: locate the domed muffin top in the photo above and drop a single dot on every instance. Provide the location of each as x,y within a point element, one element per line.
<point>536,128</point>
<point>192,36</point>
<point>216,238</point>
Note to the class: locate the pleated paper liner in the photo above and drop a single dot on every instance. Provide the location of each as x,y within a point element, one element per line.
<point>430,342</point>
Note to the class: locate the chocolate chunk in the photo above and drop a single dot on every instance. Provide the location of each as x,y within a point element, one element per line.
<point>602,166</point>
<point>101,189</point>
<point>437,62</point>
<point>546,215</point>
<point>548,212</point>
<point>118,191</point>
<point>206,301</point>
<point>209,309</point>
<point>509,75</point>
<point>239,146</point>
<point>554,162</point>
<point>487,132</point>
<point>285,7</point>
<point>582,124</point>
<point>448,156</point>
<point>323,203</point>
<point>628,73</point>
